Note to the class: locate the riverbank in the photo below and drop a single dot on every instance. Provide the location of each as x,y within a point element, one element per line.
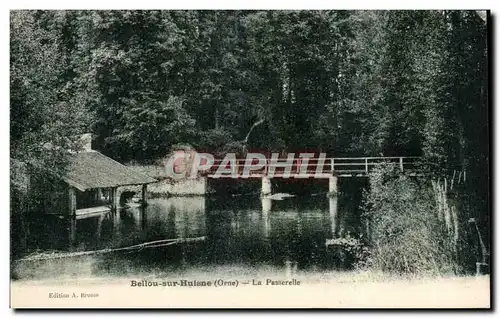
<point>316,290</point>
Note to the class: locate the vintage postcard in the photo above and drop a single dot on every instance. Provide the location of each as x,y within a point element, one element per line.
<point>250,159</point>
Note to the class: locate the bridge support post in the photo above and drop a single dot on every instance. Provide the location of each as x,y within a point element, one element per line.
<point>333,186</point>
<point>266,186</point>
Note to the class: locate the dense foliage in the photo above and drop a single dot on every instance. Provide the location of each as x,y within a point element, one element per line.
<point>351,83</point>
<point>411,229</point>
<point>344,82</point>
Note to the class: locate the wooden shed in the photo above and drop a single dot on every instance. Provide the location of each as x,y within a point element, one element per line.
<point>91,185</point>
<point>93,180</point>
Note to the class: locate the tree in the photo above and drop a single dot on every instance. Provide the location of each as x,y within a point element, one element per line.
<point>41,109</point>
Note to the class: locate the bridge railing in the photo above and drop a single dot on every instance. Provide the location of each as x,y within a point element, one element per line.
<point>340,165</point>
<point>363,165</point>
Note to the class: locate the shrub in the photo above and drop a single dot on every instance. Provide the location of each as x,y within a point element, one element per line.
<point>406,234</point>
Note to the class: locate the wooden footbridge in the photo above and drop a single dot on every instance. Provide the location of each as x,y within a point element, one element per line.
<point>317,168</point>
<point>314,167</point>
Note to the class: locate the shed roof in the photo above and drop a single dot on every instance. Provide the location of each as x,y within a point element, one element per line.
<point>88,170</point>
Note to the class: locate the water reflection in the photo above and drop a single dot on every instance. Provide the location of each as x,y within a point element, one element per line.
<point>176,217</point>
<point>333,209</point>
<point>288,234</point>
<point>266,220</point>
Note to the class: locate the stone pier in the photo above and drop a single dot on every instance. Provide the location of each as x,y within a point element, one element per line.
<point>266,205</point>
<point>333,186</point>
<point>266,186</point>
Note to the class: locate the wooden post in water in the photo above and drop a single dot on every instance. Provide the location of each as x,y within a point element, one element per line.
<point>72,233</point>
<point>98,195</point>
<point>99,226</point>
<point>266,186</point>
<point>143,219</point>
<point>71,217</point>
<point>72,201</point>
<point>144,195</point>
<point>333,186</point>
<point>114,199</point>
<point>116,217</point>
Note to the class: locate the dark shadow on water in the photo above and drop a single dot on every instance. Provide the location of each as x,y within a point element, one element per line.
<point>241,231</point>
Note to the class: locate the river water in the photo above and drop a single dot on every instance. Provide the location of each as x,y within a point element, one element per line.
<point>241,233</point>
